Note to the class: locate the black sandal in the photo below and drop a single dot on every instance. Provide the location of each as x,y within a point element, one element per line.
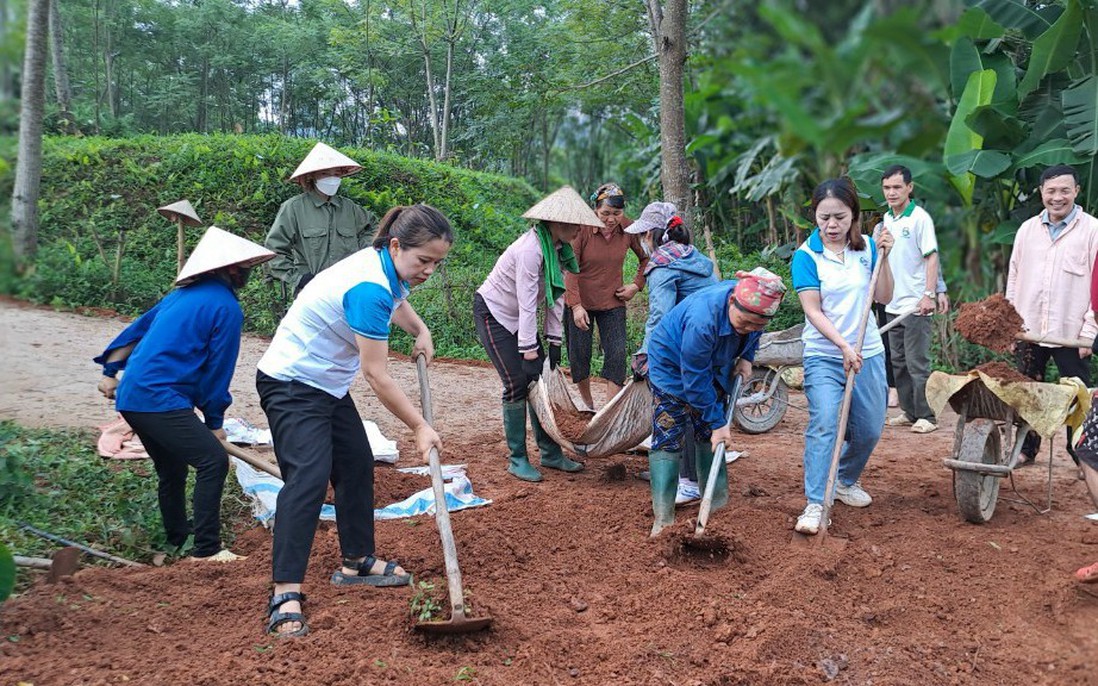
<point>363,575</point>
<point>276,619</point>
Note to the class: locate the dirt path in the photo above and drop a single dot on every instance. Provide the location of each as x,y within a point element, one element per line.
<point>578,593</point>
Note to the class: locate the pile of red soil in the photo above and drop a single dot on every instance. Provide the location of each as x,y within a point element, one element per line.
<point>1002,371</point>
<point>572,423</point>
<point>992,323</point>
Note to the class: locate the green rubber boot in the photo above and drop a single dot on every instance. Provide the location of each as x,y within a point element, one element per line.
<point>551,454</point>
<point>664,469</point>
<point>514,429</point>
<point>703,460</point>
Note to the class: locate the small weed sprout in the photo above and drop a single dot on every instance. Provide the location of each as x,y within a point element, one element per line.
<point>466,673</point>
<point>423,605</point>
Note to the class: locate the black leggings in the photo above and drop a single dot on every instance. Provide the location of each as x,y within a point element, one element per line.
<point>176,440</point>
<point>611,326</point>
<point>502,348</point>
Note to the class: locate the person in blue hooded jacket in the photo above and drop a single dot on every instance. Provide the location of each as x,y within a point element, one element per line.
<point>675,269</point>
<point>179,356</point>
<point>694,355</point>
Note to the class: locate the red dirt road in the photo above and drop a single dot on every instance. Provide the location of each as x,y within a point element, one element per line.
<point>578,593</point>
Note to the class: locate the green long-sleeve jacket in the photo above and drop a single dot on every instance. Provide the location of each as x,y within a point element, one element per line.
<point>310,234</point>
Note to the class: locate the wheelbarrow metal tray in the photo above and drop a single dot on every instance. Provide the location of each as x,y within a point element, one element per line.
<point>781,348</point>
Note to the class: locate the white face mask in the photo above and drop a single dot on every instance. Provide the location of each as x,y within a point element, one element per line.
<point>328,185</point>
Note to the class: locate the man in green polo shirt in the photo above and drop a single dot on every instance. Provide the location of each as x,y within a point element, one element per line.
<point>914,262</point>
<point>317,228</point>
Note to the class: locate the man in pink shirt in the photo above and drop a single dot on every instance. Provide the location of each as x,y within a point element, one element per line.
<point>1051,268</point>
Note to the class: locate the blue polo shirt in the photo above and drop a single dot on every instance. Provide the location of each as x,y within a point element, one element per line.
<point>844,286</point>
<point>694,349</point>
<point>185,355</point>
<point>315,342</point>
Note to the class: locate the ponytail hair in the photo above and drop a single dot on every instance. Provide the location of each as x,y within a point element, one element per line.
<point>413,226</point>
<point>676,231</point>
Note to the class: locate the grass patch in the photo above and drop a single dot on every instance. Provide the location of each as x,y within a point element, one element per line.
<point>55,481</point>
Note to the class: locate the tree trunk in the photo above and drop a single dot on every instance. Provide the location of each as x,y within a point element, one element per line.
<point>669,34</point>
<point>108,73</point>
<point>419,27</point>
<point>60,72</point>
<point>28,165</point>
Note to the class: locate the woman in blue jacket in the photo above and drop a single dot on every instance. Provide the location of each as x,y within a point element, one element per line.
<point>694,355</point>
<point>178,356</point>
<point>675,269</point>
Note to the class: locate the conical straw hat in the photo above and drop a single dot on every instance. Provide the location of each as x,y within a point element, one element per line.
<point>219,248</point>
<point>180,211</point>
<point>563,205</point>
<point>326,158</point>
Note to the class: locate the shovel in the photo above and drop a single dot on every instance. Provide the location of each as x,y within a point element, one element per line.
<point>458,623</point>
<point>821,537</point>
<point>700,540</point>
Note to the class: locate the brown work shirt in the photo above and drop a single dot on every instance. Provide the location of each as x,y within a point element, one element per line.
<point>601,256</point>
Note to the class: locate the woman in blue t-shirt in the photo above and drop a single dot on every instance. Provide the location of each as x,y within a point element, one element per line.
<point>831,274</point>
<point>339,324</point>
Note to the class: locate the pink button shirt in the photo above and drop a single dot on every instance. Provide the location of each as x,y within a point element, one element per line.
<point>1049,280</point>
<point>514,288</point>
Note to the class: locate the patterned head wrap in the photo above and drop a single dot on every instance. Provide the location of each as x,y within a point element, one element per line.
<point>759,291</point>
<point>610,194</point>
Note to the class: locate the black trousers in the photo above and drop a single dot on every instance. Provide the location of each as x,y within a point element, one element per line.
<point>502,348</point>
<point>1032,360</point>
<point>611,325</point>
<point>317,439</point>
<point>176,440</point>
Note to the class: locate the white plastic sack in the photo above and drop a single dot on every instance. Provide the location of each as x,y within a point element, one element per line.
<point>620,425</point>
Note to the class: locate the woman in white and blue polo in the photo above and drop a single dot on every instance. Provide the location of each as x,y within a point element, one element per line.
<point>337,325</point>
<point>831,274</point>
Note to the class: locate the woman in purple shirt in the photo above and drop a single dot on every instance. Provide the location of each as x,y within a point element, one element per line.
<point>505,310</point>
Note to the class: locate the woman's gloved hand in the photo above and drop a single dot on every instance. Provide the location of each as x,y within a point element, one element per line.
<point>554,355</point>
<point>531,368</point>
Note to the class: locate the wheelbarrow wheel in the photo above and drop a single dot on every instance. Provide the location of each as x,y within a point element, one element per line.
<point>976,493</point>
<point>763,416</point>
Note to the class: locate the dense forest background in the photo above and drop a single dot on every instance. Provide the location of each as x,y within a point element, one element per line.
<point>976,97</point>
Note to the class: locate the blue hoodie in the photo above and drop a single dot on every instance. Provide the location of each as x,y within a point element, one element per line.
<point>670,278</point>
<point>185,355</point>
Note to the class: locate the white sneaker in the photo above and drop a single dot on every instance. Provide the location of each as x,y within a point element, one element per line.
<point>809,521</point>
<point>687,492</point>
<point>923,426</point>
<point>853,495</point>
<point>900,420</point>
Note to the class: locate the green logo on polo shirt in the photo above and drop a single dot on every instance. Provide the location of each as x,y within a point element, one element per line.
<point>906,232</point>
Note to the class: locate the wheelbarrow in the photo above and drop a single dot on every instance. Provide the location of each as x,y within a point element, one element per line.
<point>993,419</point>
<point>764,397</point>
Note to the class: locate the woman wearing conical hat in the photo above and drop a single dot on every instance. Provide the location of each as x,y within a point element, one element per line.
<point>505,310</point>
<point>314,230</point>
<point>178,356</point>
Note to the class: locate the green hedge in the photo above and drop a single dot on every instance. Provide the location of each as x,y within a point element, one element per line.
<point>95,188</point>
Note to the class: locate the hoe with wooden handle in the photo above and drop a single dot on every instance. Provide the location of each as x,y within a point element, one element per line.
<point>459,622</point>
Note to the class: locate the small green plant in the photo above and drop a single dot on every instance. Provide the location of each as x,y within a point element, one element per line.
<point>424,606</point>
<point>466,673</point>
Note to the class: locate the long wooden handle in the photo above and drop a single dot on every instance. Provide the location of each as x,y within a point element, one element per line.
<point>848,393</point>
<point>1058,342</point>
<point>252,459</point>
<point>442,513</point>
<point>898,320</point>
<point>715,466</point>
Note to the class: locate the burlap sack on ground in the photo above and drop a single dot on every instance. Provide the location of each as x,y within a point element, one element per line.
<point>622,424</point>
<point>1045,406</point>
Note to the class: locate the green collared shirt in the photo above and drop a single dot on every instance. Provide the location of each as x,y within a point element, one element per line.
<point>907,210</point>
<point>310,234</point>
